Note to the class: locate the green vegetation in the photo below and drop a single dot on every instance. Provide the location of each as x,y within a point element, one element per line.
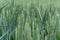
<point>29,20</point>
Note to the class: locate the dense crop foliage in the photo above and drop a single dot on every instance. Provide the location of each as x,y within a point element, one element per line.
<point>29,20</point>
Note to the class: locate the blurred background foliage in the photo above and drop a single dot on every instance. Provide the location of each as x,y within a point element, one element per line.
<point>29,20</point>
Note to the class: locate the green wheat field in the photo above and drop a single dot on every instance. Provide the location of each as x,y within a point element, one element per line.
<point>29,19</point>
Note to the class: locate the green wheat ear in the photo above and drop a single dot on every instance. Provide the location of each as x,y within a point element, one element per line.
<point>29,20</point>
